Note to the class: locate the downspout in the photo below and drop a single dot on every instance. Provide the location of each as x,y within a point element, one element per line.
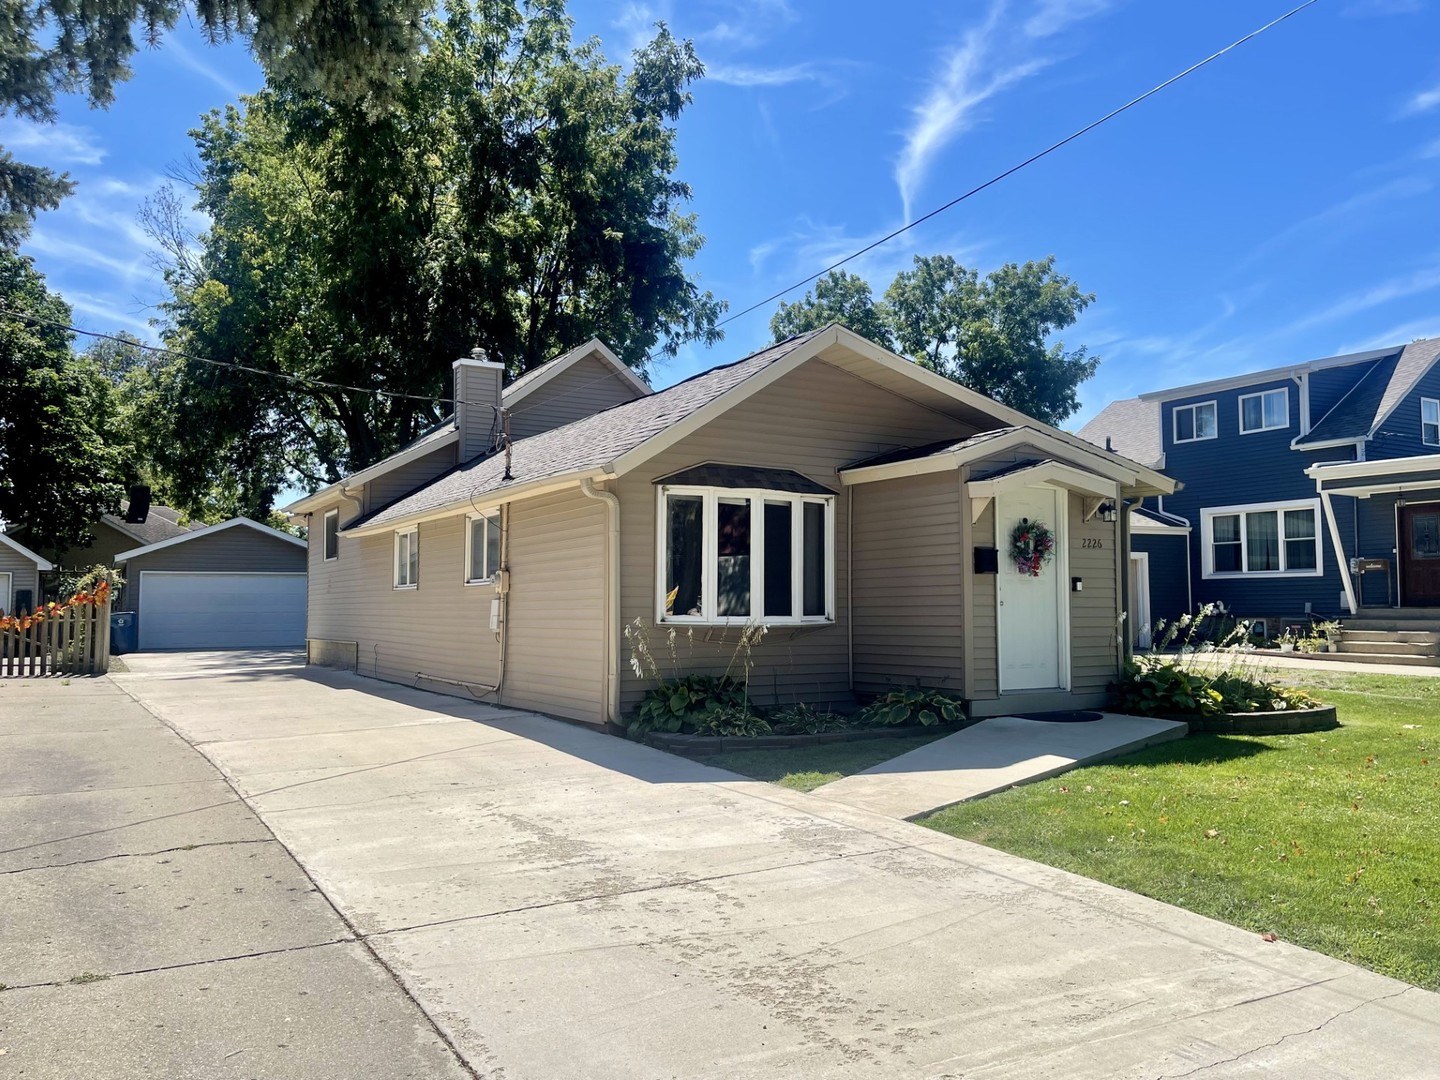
<point>1126,633</point>
<point>850,584</point>
<point>612,596</point>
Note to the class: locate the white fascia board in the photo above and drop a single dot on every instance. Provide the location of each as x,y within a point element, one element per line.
<point>15,545</point>
<point>490,499</point>
<point>593,347</point>
<point>1255,378</point>
<point>1345,470</point>
<point>211,530</point>
<point>1325,444</point>
<point>1052,473</point>
<point>1104,463</point>
<point>380,468</point>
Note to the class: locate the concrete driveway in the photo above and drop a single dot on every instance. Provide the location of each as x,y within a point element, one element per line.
<point>566,904</point>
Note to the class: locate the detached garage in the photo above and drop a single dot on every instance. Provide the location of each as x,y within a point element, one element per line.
<point>236,585</point>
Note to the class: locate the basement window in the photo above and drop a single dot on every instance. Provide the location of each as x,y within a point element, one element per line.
<point>736,556</point>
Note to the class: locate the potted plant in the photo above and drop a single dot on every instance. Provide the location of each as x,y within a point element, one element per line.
<point>1331,631</point>
<point>1286,641</point>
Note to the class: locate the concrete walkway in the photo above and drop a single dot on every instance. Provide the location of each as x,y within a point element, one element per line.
<point>567,904</point>
<point>152,925</point>
<point>991,756</point>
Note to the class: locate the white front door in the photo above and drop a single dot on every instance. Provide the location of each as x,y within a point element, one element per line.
<point>1139,612</point>
<point>1031,630</point>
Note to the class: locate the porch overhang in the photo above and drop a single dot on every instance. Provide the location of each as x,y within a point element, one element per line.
<point>1056,474</point>
<point>1362,479</point>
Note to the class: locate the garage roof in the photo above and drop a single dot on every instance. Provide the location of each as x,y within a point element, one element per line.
<point>135,553</point>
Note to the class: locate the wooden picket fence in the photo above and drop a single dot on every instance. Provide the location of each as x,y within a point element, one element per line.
<point>57,639</point>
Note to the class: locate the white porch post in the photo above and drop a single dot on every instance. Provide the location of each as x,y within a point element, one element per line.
<point>1345,577</point>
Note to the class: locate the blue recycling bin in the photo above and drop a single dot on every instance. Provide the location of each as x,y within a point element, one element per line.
<point>124,632</point>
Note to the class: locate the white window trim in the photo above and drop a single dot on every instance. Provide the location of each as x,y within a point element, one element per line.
<point>709,532</point>
<point>1262,395</point>
<point>1207,540</point>
<point>325,535</point>
<point>470,520</point>
<point>1175,412</point>
<point>1436,403</point>
<point>414,532</point>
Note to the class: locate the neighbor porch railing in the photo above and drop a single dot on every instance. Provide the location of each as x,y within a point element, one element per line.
<point>72,638</point>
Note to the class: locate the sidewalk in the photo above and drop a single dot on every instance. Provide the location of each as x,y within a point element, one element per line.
<point>154,927</point>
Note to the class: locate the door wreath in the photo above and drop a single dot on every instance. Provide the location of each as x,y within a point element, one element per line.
<point>1032,545</point>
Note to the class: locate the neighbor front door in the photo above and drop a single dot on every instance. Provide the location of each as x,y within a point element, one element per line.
<point>1029,607</point>
<point>1420,555</point>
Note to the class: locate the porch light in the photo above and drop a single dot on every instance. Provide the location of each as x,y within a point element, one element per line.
<point>1108,513</point>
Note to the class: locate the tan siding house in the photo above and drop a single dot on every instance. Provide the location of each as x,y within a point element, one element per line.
<point>856,504</point>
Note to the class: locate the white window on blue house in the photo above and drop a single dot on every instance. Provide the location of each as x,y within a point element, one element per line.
<point>1270,539</point>
<point>1430,421</point>
<point>735,556</point>
<point>1195,422</point>
<point>407,558</point>
<point>1267,411</point>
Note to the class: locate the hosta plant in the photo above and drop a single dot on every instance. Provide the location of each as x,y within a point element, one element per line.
<point>899,708</point>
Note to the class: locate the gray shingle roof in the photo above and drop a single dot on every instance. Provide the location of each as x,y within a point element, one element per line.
<point>1132,427</point>
<point>915,453</point>
<point>1360,412</point>
<point>162,523</point>
<point>588,443</point>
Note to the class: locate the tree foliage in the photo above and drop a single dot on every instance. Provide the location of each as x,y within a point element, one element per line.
<point>347,49</point>
<point>59,467</point>
<point>519,196</point>
<point>990,333</point>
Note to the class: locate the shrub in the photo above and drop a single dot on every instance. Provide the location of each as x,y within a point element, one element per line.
<point>731,720</point>
<point>802,719</point>
<point>900,707</point>
<point>680,705</point>
<point>1155,686</point>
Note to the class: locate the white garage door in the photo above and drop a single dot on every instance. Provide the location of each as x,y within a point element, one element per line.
<point>221,611</point>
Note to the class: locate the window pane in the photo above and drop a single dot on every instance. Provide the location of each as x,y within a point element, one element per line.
<point>1251,414</point>
<point>1205,421</point>
<point>332,535</point>
<point>1262,540</point>
<point>492,545</point>
<point>1184,424</point>
<point>1430,421</point>
<point>684,554</point>
<point>414,558</point>
<point>816,570</point>
<point>1425,536</point>
<point>477,550</point>
<point>1299,539</point>
<point>1225,537</point>
<point>1299,524</point>
<point>1277,409</point>
<point>779,574</point>
<point>732,557</point>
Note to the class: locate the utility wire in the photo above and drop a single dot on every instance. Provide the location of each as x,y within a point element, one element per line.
<point>31,317</point>
<point>1016,168</point>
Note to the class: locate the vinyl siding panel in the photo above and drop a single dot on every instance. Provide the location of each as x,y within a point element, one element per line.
<point>586,387</point>
<point>440,629</point>
<point>908,583</point>
<point>984,674</point>
<point>236,550</point>
<point>1094,627</point>
<point>23,575</point>
<point>814,420</point>
<point>1399,435</point>
<point>405,479</point>
<point>108,543</point>
<point>1169,596</point>
<point>555,649</point>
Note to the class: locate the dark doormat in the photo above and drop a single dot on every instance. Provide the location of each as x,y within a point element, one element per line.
<point>1062,717</point>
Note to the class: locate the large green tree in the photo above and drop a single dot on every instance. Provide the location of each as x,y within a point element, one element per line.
<point>58,468</point>
<point>991,333</point>
<point>519,196</point>
<point>354,50</point>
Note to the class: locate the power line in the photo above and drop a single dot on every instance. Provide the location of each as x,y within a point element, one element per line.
<point>32,317</point>
<point>1016,168</point>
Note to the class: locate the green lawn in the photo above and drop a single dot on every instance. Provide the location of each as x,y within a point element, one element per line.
<point>807,767</point>
<point>1330,840</point>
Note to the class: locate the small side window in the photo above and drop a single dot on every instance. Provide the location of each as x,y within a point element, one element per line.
<point>332,535</point>
<point>1430,421</point>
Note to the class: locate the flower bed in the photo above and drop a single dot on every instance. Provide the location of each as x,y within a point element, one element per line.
<point>1286,722</point>
<point>699,746</point>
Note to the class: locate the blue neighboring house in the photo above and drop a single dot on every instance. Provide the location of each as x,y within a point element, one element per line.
<point>1307,490</point>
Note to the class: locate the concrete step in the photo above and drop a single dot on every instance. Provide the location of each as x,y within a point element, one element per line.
<point>1403,615</point>
<point>1393,625</point>
<point>1389,648</point>
<point>1374,658</point>
<point>1419,637</point>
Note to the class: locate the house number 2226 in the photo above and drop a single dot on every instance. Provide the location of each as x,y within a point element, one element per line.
<point>1091,542</point>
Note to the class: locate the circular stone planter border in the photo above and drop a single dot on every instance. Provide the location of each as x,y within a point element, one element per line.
<point>1290,722</point>
<point>696,746</point>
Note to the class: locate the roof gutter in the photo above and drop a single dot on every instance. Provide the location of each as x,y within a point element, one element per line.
<point>479,500</point>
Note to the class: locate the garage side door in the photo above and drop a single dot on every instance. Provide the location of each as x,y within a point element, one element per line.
<point>221,611</point>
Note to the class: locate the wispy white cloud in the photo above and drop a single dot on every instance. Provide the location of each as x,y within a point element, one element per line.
<point>636,19</point>
<point>1418,282</point>
<point>53,144</point>
<point>186,58</point>
<point>1347,213</point>
<point>101,313</point>
<point>1422,101</point>
<point>974,71</point>
<point>1052,16</point>
<point>1400,334</point>
<point>1430,150</point>
<point>749,25</point>
<point>744,75</point>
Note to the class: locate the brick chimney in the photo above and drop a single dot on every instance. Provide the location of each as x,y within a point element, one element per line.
<point>477,397</point>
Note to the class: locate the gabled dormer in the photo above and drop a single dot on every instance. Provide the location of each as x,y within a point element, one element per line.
<point>585,381</point>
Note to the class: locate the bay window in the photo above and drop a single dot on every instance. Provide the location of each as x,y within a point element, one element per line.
<point>742,555</point>
<point>1264,538</point>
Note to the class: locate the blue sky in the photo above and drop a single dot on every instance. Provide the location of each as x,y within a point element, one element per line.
<point>1280,205</point>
